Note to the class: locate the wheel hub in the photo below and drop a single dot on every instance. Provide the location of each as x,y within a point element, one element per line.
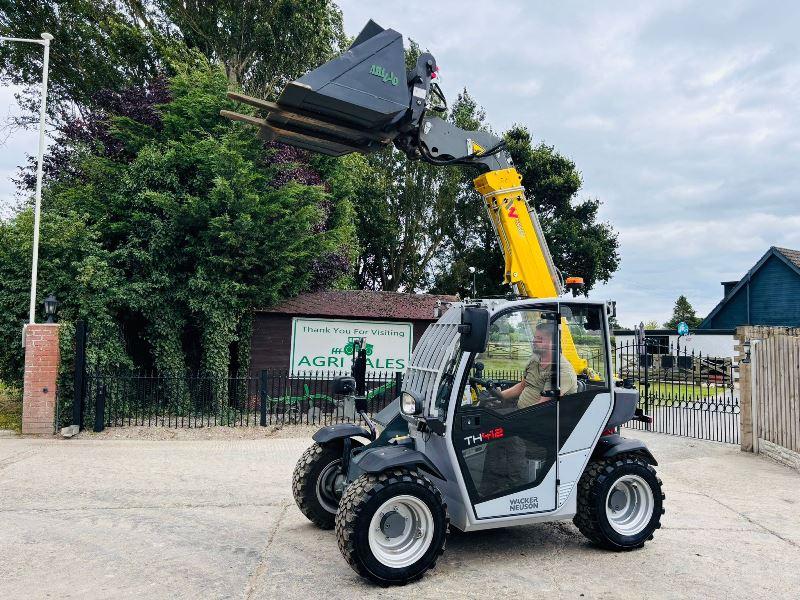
<point>629,505</point>
<point>393,524</point>
<point>339,483</point>
<point>617,500</point>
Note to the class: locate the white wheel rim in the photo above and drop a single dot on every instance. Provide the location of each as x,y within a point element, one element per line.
<point>402,546</point>
<point>629,505</point>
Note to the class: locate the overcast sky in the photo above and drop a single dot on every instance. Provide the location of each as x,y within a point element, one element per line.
<point>682,116</point>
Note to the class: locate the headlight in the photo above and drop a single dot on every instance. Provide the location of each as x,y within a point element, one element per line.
<point>410,404</point>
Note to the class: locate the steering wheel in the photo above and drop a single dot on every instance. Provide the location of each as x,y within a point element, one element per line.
<point>490,386</point>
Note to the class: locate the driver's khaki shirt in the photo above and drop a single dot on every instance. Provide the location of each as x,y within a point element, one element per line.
<point>539,379</point>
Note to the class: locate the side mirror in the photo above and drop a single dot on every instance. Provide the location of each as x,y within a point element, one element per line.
<point>474,329</point>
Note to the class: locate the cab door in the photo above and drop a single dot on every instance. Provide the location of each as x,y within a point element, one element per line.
<point>507,450</point>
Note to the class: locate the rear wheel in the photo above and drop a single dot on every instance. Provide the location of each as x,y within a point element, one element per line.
<point>318,482</point>
<point>392,527</point>
<point>620,502</point>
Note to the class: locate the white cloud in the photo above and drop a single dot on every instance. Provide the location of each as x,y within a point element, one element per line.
<point>682,117</point>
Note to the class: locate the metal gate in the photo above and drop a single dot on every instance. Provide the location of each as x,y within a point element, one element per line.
<point>686,393</point>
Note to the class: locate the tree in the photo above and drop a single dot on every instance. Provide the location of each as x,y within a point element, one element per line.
<point>652,324</point>
<point>262,45</point>
<point>580,245</point>
<point>97,46</point>
<point>683,311</point>
<point>472,241</point>
<point>112,45</point>
<point>168,226</point>
<point>614,324</point>
<point>406,213</point>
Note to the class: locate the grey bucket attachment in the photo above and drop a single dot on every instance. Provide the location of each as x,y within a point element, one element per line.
<point>352,103</point>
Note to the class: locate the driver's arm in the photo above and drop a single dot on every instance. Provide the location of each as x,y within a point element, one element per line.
<point>514,391</point>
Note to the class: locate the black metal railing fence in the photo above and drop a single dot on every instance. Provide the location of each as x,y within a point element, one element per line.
<point>268,397</point>
<point>686,393</point>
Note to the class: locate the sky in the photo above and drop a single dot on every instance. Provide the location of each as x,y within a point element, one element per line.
<point>682,117</point>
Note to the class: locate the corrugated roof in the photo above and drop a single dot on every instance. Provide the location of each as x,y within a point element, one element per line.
<point>363,304</point>
<point>792,255</point>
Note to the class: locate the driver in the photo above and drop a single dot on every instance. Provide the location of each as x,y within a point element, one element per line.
<point>506,462</point>
<point>539,378</point>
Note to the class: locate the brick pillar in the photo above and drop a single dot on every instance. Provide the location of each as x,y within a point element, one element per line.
<point>41,373</point>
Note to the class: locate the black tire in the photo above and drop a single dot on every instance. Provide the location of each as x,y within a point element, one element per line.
<point>593,489</point>
<point>306,478</point>
<point>363,498</point>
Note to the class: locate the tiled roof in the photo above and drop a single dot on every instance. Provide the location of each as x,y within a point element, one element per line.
<point>792,255</point>
<point>362,304</point>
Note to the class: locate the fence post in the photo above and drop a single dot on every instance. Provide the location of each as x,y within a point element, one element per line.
<point>398,382</point>
<point>745,335</point>
<point>80,374</point>
<point>100,409</point>
<point>754,364</point>
<point>263,380</point>
<point>646,384</point>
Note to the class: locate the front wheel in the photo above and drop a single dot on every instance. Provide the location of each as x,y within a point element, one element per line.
<point>392,527</point>
<point>620,502</point>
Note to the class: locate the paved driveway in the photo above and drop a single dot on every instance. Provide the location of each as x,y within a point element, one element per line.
<point>129,518</point>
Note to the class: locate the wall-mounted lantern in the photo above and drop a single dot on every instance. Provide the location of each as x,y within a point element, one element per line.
<point>50,306</point>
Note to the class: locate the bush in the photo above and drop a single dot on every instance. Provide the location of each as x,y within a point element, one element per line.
<point>10,407</point>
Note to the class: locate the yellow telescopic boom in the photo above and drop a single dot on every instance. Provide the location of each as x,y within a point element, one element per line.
<point>529,268</point>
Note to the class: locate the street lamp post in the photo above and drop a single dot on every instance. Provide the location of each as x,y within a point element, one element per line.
<point>474,291</point>
<point>45,41</point>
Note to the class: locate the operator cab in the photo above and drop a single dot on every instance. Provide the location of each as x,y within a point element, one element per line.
<point>523,394</point>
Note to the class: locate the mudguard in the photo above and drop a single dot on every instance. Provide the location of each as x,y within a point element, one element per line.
<point>339,432</point>
<point>380,458</point>
<point>612,445</point>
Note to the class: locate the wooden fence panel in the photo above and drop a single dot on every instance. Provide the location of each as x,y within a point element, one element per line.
<point>776,384</point>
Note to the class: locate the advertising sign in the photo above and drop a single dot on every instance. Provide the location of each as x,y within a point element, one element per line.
<point>326,345</point>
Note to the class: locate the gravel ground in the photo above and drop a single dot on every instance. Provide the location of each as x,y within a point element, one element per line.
<point>94,517</point>
<point>200,433</point>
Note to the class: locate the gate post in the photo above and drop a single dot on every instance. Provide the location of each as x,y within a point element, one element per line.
<point>100,409</point>
<point>40,380</point>
<point>80,374</point>
<point>262,393</point>
<point>647,406</point>
<point>745,334</point>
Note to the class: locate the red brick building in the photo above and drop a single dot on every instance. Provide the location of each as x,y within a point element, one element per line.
<point>273,331</point>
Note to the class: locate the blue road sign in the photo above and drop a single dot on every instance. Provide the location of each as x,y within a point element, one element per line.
<point>683,328</point>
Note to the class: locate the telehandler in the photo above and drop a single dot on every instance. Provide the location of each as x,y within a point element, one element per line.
<point>457,448</point>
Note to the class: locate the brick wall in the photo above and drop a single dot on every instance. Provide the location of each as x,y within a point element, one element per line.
<point>41,373</point>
